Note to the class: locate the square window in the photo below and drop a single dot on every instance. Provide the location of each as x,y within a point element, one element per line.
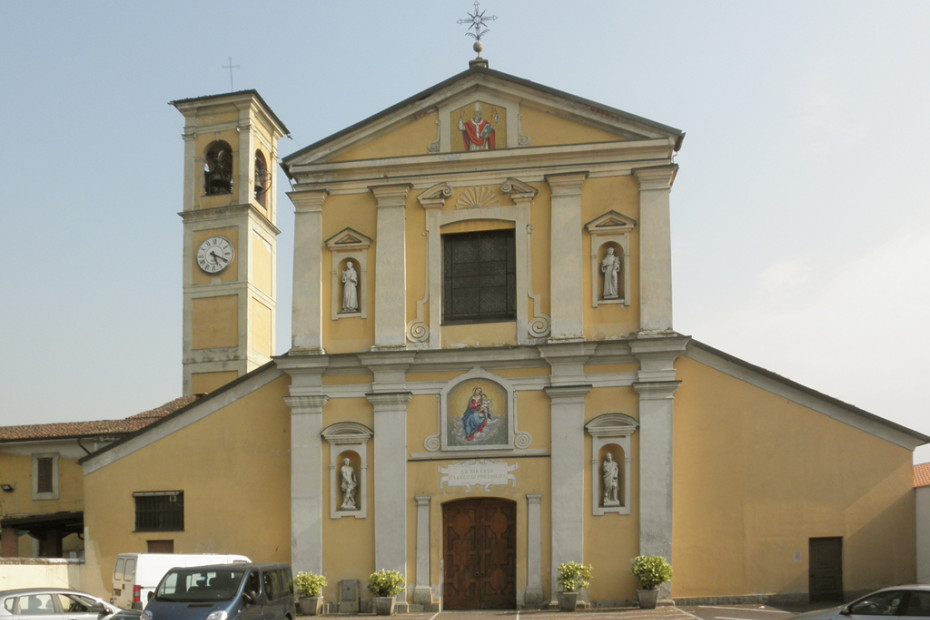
<point>479,277</point>
<point>159,511</point>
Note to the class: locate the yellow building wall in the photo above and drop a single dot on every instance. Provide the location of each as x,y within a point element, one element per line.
<point>215,322</point>
<point>234,469</point>
<point>412,138</point>
<point>262,276</point>
<point>756,476</point>
<point>260,333</point>
<point>16,469</point>
<point>546,128</point>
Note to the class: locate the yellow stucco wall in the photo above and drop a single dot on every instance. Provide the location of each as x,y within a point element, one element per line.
<point>546,127</point>
<point>17,470</point>
<point>234,469</point>
<point>756,476</point>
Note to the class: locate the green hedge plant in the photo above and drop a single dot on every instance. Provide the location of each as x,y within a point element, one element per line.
<point>651,571</point>
<point>385,582</point>
<point>309,585</point>
<point>574,576</point>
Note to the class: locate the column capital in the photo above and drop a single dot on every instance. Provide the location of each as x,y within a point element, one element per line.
<point>656,390</point>
<point>389,400</point>
<point>568,392</point>
<point>423,500</point>
<point>308,201</point>
<point>390,195</point>
<point>306,404</point>
<point>656,177</point>
<point>534,498</point>
<point>567,184</point>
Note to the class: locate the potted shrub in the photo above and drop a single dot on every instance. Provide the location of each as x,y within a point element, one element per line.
<point>573,576</point>
<point>651,571</point>
<point>309,589</point>
<point>385,585</point>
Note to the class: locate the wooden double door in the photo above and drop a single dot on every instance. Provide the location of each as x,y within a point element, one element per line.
<point>480,554</point>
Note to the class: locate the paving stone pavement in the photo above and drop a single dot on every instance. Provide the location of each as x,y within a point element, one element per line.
<point>662,612</point>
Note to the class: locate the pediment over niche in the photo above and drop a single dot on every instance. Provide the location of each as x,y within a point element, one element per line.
<point>348,239</point>
<point>612,425</point>
<point>519,112</point>
<point>610,223</point>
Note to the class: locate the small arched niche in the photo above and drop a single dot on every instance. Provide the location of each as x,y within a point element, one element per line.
<point>348,463</point>
<point>611,462</point>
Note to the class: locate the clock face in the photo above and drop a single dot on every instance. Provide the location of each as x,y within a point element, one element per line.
<point>214,254</point>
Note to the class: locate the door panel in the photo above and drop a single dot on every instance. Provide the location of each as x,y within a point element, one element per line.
<point>479,551</point>
<point>826,569</point>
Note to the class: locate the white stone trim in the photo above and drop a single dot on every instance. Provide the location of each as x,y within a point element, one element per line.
<point>390,266</point>
<point>346,437</point>
<point>444,415</point>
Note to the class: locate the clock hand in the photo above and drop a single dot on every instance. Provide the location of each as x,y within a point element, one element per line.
<point>217,256</point>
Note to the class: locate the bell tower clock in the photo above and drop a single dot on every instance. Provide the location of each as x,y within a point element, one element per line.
<point>230,236</point>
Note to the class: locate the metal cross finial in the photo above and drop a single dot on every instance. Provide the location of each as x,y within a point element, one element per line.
<point>477,21</point>
<point>230,66</point>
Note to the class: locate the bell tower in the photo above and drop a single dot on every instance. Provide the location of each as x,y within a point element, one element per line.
<point>230,236</point>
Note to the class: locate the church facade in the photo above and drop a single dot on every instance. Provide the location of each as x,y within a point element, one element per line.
<point>483,381</point>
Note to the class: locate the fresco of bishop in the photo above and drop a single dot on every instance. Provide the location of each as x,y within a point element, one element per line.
<point>477,133</point>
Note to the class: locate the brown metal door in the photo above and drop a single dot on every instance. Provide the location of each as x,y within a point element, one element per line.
<point>826,569</point>
<point>479,552</point>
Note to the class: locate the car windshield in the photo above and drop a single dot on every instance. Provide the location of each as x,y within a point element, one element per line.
<point>202,585</point>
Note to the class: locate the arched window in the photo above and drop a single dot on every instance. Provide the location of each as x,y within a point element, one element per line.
<point>262,178</point>
<point>218,169</point>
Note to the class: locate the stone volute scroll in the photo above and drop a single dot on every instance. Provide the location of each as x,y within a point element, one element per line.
<point>349,249</point>
<point>610,462</point>
<point>348,469</point>
<point>610,258</point>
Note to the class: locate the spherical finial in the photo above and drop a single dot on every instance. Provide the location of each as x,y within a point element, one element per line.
<point>478,46</point>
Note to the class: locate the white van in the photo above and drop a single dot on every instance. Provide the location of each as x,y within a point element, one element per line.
<point>136,575</point>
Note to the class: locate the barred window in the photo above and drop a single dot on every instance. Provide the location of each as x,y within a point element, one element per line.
<point>479,277</point>
<point>159,511</point>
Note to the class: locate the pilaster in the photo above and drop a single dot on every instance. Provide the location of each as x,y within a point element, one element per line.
<point>306,482</point>
<point>390,465</point>
<point>566,259</point>
<point>390,267</point>
<point>307,304</point>
<point>533,597</point>
<point>567,467</point>
<point>422,593</point>
<point>655,278</point>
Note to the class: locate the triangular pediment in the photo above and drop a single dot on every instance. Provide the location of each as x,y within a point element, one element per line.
<point>479,110</point>
<point>348,238</point>
<point>611,222</point>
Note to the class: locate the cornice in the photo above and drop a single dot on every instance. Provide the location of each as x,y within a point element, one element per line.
<point>517,162</point>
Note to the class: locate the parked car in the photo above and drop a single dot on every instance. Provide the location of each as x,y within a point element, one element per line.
<point>135,575</point>
<point>224,592</point>
<point>59,604</point>
<point>912,601</point>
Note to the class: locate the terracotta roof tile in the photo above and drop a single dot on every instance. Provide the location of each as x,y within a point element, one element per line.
<point>922,475</point>
<point>96,428</point>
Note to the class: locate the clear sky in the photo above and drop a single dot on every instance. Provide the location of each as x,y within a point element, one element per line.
<point>800,220</point>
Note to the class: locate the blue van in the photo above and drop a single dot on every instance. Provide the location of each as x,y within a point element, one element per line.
<point>224,592</point>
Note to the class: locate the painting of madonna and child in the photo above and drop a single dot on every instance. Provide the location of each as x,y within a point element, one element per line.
<point>477,415</point>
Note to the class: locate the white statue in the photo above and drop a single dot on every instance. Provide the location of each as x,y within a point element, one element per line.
<point>350,288</point>
<point>349,484</point>
<point>610,476</point>
<point>610,266</point>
